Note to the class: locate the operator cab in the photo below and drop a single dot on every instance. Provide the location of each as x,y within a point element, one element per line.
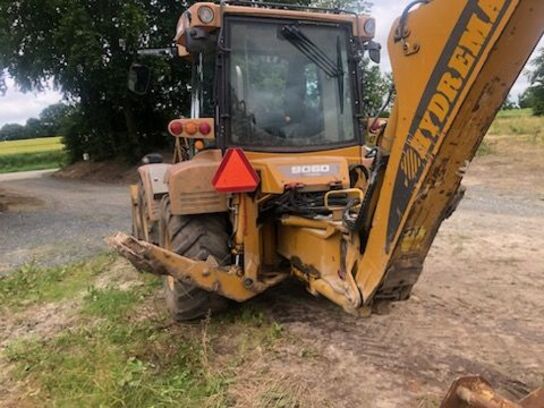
<point>284,89</point>
<point>274,83</point>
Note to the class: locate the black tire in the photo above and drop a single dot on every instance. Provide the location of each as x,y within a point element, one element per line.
<point>196,237</point>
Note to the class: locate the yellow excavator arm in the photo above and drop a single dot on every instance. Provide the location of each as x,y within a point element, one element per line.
<point>454,63</point>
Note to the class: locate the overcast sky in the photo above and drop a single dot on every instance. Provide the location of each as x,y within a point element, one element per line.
<point>386,11</point>
<point>16,107</point>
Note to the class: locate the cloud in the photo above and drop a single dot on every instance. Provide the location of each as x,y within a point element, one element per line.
<point>387,11</point>
<point>18,107</point>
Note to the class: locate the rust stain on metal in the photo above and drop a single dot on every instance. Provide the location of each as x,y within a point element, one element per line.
<point>476,392</point>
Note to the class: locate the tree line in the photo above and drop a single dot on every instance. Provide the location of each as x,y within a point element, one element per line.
<point>85,47</point>
<point>48,124</point>
<point>533,97</point>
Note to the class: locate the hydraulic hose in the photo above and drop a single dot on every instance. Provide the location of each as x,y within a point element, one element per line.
<point>401,30</point>
<point>362,221</point>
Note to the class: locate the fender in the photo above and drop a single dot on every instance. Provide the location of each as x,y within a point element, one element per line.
<point>190,185</point>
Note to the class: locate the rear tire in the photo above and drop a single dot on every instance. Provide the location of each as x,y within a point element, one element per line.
<point>196,237</point>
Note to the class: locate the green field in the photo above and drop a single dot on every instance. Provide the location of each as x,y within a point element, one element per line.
<point>42,144</point>
<point>31,154</point>
<point>48,152</point>
<point>518,122</point>
<point>516,126</point>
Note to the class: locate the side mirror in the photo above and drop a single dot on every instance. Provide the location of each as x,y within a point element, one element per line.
<point>374,51</point>
<point>139,79</point>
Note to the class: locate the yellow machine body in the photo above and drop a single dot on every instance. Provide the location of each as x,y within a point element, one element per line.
<point>454,63</point>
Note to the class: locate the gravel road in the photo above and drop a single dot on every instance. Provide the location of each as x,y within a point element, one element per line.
<point>55,221</point>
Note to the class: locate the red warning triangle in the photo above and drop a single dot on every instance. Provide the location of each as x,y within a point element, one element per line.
<point>235,173</point>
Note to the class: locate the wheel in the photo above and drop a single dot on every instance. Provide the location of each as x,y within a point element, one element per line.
<point>196,237</point>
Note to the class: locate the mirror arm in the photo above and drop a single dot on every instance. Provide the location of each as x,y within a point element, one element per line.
<point>158,52</point>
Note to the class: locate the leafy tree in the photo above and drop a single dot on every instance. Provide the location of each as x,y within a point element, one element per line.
<point>509,104</point>
<point>376,87</point>
<point>33,128</point>
<point>52,118</point>
<point>3,87</point>
<point>49,124</point>
<point>536,91</point>
<point>86,48</point>
<point>12,131</point>
<point>361,6</point>
<point>526,99</point>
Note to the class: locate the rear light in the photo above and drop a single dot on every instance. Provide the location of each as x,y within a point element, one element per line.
<point>196,128</point>
<point>205,14</point>
<point>235,174</point>
<point>191,128</point>
<point>199,145</point>
<point>175,128</point>
<point>205,128</point>
<point>370,27</point>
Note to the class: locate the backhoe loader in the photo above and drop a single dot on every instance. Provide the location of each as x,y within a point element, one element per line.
<point>274,175</point>
<point>279,171</point>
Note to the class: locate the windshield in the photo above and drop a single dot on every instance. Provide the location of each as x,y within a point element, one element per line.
<point>289,85</point>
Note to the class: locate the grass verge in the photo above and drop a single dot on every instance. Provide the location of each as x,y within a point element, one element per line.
<point>121,349</point>
<point>116,364</point>
<point>32,161</point>
<point>32,284</point>
<point>518,122</point>
<point>32,154</point>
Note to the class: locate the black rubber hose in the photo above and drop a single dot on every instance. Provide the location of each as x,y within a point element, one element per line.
<point>404,18</point>
<point>380,163</point>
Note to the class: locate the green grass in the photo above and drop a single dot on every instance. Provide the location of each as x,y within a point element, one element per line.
<point>109,302</point>
<point>32,161</point>
<point>517,122</point>
<point>515,126</point>
<point>515,113</point>
<point>118,352</point>
<point>32,154</point>
<point>42,144</point>
<point>32,284</point>
<point>117,365</point>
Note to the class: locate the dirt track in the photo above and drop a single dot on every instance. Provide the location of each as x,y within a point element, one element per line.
<point>478,308</point>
